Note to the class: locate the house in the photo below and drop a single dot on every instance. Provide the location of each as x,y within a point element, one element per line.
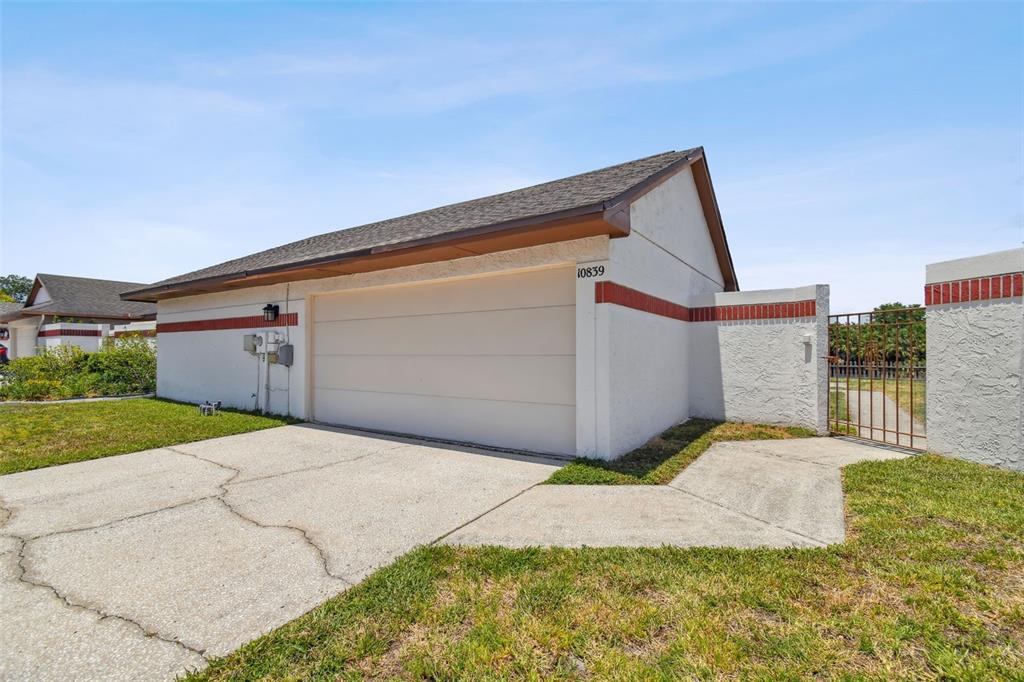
<point>78,311</point>
<point>551,319</point>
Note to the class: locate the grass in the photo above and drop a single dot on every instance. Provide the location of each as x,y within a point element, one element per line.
<point>837,411</point>
<point>892,391</point>
<point>34,436</point>
<point>662,458</point>
<point>930,585</point>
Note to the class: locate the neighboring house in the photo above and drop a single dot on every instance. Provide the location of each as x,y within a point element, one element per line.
<point>482,322</point>
<point>79,311</point>
<point>7,335</point>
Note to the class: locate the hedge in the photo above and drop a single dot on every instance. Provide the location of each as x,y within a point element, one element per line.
<point>123,366</point>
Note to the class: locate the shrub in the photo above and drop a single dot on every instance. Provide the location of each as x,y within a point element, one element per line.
<point>125,365</point>
<point>32,389</point>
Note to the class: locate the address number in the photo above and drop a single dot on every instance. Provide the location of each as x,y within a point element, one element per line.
<point>595,271</point>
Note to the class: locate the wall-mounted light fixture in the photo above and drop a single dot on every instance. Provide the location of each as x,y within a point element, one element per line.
<point>270,312</point>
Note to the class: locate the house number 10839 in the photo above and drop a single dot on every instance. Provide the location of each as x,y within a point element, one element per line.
<point>595,271</point>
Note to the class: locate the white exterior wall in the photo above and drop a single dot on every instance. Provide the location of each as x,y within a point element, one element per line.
<point>89,344</point>
<point>639,360</point>
<point>42,296</point>
<point>197,366</point>
<point>762,371</point>
<point>975,367</point>
<point>211,365</point>
<point>23,337</point>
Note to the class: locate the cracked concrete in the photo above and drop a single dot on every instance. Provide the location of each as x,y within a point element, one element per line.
<point>96,492</point>
<point>142,566</point>
<point>196,574</point>
<point>80,644</point>
<point>368,511</point>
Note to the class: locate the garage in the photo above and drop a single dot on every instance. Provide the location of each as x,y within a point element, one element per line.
<point>488,360</point>
<point>551,318</point>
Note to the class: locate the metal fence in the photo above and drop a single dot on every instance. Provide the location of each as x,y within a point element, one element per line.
<point>890,370</point>
<point>877,370</point>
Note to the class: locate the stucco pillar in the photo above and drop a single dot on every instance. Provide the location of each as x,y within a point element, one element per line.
<point>592,383</point>
<point>975,343</point>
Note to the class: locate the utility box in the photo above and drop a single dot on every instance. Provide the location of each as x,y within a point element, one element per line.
<point>285,354</point>
<point>249,343</point>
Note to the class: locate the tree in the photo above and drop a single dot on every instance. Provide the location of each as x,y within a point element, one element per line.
<point>892,332</point>
<point>6,297</point>
<point>16,286</point>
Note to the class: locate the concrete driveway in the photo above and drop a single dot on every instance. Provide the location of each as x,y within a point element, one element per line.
<point>142,566</point>
<point>145,565</point>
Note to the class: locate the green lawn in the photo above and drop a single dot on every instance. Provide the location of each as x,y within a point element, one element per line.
<point>662,458</point>
<point>928,586</point>
<point>901,392</point>
<point>837,410</point>
<point>34,436</point>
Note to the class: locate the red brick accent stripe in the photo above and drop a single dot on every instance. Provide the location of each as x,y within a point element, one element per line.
<point>975,289</point>
<point>70,332</point>
<point>249,322</point>
<point>610,292</point>
<point>755,311</point>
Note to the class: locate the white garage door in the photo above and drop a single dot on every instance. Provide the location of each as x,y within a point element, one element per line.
<point>487,360</point>
<point>24,341</point>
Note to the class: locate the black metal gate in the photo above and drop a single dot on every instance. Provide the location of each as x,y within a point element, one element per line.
<point>877,366</point>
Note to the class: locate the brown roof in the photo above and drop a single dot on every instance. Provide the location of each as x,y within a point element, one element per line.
<point>573,196</point>
<point>86,297</point>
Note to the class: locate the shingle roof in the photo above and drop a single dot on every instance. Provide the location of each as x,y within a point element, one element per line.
<point>579,191</point>
<point>84,297</point>
<point>9,310</point>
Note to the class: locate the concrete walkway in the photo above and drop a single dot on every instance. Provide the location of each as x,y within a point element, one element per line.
<point>772,493</point>
<point>874,409</point>
<point>143,566</point>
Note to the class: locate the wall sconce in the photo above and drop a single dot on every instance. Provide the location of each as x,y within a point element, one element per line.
<point>270,312</point>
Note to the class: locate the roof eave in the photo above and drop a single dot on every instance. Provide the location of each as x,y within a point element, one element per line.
<point>98,316</point>
<point>612,214</point>
<point>595,213</point>
<point>695,160</point>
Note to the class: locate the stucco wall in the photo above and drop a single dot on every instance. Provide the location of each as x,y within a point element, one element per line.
<point>89,344</point>
<point>762,370</point>
<point>649,382</point>
<point>975,367</point>
<point>195,366</point>
<point>641,370</point>
<point>210,365</point>
<point>671,219</point>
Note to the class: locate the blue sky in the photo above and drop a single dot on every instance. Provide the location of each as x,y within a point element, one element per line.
<point>849,144</point>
